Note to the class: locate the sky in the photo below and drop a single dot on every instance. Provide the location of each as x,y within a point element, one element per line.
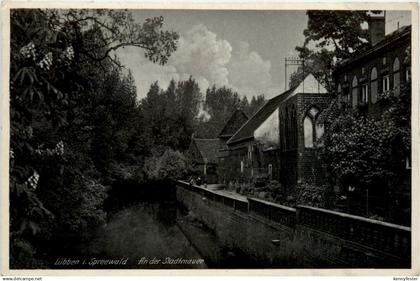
<point>243,50</point>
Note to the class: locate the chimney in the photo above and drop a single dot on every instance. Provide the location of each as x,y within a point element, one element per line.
<point>376,28</point>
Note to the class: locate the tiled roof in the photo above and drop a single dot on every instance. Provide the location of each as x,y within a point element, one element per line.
<point>389,39</point>
<point>208,148</point>
<point>247,130</point>
<point>236,121</point>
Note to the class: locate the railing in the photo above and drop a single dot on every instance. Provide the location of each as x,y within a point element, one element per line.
<point>271,211</point>
<point>233,202</point>
<point>385,237</point>
<point>391,238</point>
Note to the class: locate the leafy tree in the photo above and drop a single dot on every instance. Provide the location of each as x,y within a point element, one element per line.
<point>188,100</point>
<point>364,152</point>
<point>320,64</point>
<point>62,103</point>
<point>220,103</point>
<point>168,166</point>
<point>340,30</point>
<point>170,116</point>
<point>330,37</point>
<point>113,115</point>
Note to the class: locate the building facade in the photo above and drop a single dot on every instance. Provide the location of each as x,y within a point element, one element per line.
<point>367,83</point>
<point>281,141</point>
<point>369,79</point>
<point>202,154</point>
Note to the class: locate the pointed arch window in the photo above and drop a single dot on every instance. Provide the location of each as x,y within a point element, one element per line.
<point>312,131</point>
<point>308,131</point>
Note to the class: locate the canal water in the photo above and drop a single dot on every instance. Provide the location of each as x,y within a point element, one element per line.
<point>150,230</point>
<point>145,235</point>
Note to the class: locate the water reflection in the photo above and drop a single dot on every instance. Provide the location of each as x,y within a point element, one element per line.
<point>147,235</point>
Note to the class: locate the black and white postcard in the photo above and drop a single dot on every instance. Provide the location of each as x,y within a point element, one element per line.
<point>237,137</point>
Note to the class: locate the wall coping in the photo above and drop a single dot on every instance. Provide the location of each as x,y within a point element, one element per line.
<point>214,192</point>
<point>273,204</point>
<point>359,218</point>
<point>290,209</point>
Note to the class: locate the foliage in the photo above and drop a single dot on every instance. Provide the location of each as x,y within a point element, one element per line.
<point>362,151</point>
<point>330,37</point>
<point>71,108</point>
<point>312,195</point>
<point>219,104</point>
<point>309,194</point>
<point>341,30</point>
<point>170,165</point>
<point>320,65</point>
<point>170,116</point>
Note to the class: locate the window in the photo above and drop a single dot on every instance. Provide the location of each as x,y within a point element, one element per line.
<point>384,61</point>
<point>354,91</point>
<point>293,127</point>
<point>242,167</point>
<point>340,97</point>
<point>311,130</point>
<point>363,70</point>
<point>374,85</point>
<point>308,132</point>
<point>408,162</point>
<point>249,152</point>
<point>385,83</point>
<point>396,76</point>
<point>270,171</point>
<point>364,97</point>
<point>346,95</point>
<point>319,131</point>
<point>408,74</point>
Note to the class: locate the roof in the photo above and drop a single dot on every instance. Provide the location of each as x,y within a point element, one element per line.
<point>208,148</point>
<point>388,40</point>
<point>308,85</point>
<point>233,124</point>
<point>247,130</point>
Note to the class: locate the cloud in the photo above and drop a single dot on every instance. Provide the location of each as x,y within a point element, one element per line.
<point>209,60</point>
<point>202,55</point>
<point>248,72</point>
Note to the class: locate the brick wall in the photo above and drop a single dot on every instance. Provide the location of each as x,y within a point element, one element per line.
<point>275,236</point>
<point>382,60</point>
<point>297,163</point>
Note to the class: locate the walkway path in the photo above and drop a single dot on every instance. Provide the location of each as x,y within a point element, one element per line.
<point>219,188</point>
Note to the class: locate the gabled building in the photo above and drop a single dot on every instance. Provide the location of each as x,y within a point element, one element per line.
<point>203,156</point>
<point>253,149</point>
<point>235,122</point>
<point>280,140</point>
<point>207,156</point>
<point>301,131</point>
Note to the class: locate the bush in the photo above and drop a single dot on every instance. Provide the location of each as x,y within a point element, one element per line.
<point>171,165</point>
<point>312,195</point>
